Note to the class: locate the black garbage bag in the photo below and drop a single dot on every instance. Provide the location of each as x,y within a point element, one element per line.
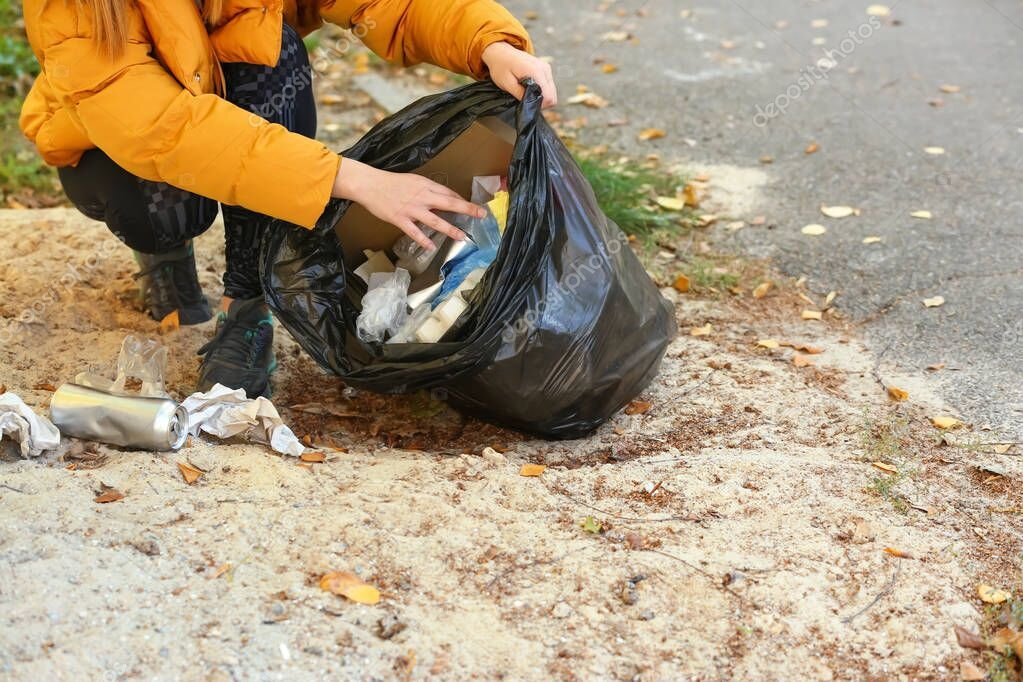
<point>566,327</point>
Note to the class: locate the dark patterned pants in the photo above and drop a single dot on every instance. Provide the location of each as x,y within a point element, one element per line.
<point>154,217</point>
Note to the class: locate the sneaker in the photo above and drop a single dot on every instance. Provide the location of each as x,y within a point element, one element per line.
<point>241,354</point>
<point>170,284</point>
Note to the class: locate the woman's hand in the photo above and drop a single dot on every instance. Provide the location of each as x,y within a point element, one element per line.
<point>403,199</point>
<point>508,65</point>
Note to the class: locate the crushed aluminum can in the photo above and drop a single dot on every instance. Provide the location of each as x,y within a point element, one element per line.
<point>129,421</point>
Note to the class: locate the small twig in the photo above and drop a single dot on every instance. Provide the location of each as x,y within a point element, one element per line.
<point>630,519</point>
<point>11,487</point>
<point>880,595</point>
<point>715,580</point>
<point>698,384</point>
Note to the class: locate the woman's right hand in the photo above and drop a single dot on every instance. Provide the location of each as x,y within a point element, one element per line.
<point>403,199</point>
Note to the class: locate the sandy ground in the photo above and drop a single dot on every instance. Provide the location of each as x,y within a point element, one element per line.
<point>752,558</point>
<point>742,533</point>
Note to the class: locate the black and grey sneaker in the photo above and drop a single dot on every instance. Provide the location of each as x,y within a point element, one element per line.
<point>169,283</point>
<point>241,355</point>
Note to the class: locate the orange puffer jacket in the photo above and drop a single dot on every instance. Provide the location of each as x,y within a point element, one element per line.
<point>156,109</point>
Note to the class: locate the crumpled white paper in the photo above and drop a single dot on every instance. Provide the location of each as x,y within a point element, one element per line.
<point>226,413</point>
<point>19,423</point>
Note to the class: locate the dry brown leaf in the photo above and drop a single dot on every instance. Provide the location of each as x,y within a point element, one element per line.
<point>897,553</point>
<point>766,160</point>
<point>189,472</point>
<point>800,360</point>
<point>936,366</point>
<point>991,595</point>
<point>885,467</point>
<point>109,495</point>
<point>681,284</point>
<point>45,386</point>
<point>946,422</point>
<point>770,344</point>
<point>3,389</point>
<point>221,570</point>
<point>638,407</point>
<point>950,89</point>
<point>934,302</point>
<point>812,315</point>
<point>609,68</point>
<point>331,99</point>
<point>969,640</point>
<point>350,586</point>
<point>970,673</point>
<point>651,134</point>
<point>316,457</point>
<point>897,394</point>
<point>589,99</point>
<point>803,347</point>
<point>532,470</point>
<point>762,289</point>
<point>811,148</point>
<point>705,330</point>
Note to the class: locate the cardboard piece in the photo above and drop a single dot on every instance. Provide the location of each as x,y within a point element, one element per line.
<point>485,148</point>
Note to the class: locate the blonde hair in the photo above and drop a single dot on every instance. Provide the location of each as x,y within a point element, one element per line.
<point>110,17</point>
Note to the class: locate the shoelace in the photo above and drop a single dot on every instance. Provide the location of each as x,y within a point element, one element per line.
<point>241,348</point>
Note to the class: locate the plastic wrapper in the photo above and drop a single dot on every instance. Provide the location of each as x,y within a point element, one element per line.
<point>140,358</point>
<point>384,305</point>
<point>565,328</point>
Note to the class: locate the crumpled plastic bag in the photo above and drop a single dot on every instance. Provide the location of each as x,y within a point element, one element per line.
<point>384,307</point>
<point>18,422</point>
<point>225,413</point>
<point>141,358</point>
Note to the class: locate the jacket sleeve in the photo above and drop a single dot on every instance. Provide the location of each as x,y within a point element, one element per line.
<point>140,116</point>
<point>449,33</point>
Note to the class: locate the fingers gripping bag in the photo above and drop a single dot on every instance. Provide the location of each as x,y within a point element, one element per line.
<point>565,327</point>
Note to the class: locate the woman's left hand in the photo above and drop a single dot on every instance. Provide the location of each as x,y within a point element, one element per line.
<point>508,65</point>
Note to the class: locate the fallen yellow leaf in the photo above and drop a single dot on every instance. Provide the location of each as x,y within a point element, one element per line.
<point>638,407</point>
<point>934,302</point>
<point>651,134</point>
<point>170,323</point>
<point>923,215</point>
<point>897,394</point>
<point>879,10</point>
<point>671,203</point>
<point>705,330</point>
<point>316,457</point>
<point>871,240</point>
<point>681,284</point>
<point>885,467</point>
<point>936,151</point>
<point>221,570</point>
<point>950,88</point>
<point>768,343</point>
<point>811,148</point>
<point>350,586</point>
<point>608,68</point>
<point>898,553</point>
<point>991,595</point>
<point>532,470</point>
<point>839,211</point>
<point>946,422</point>
<point>814,230</point>
<point>691,197</point>
<point>189,472</point>
<point>762,289</point>
<point>968,672</point>
<point>812,315</point>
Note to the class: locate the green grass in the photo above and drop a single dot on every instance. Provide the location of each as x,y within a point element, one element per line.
<point>24,178</point>
<point>705,273</point>
<point>885,440</point>
<point>626,192</point>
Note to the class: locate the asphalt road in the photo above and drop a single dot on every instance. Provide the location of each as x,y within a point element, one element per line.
<point>708,78</point>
